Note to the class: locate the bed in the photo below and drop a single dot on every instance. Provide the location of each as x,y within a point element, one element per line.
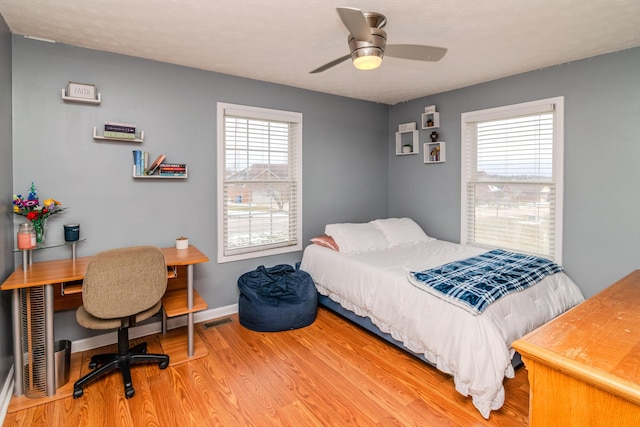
<point>364,271</point>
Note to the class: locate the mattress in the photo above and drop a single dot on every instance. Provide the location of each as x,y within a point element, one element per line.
<point>475,349</point>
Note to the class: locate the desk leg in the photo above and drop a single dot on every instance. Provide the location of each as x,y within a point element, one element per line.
<point>49,340</point>
<point>18,362</point>
<point>190,306</point>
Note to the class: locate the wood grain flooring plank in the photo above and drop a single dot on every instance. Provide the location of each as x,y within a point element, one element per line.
<point>331,373</point>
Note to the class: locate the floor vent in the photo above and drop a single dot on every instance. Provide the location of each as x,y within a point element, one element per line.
<point>215,323</point>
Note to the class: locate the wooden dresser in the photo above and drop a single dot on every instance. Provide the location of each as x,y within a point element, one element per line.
<point>584,366</point>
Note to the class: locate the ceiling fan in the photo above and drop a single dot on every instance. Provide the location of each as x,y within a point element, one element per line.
<point>367,42</point>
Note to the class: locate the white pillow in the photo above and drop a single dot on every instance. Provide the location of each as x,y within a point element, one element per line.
<point>354,238</point>
<point>401,231</point>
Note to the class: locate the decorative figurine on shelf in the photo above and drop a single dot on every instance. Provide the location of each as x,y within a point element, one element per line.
<point>434,136</point>
<point>435,154</point>
<point>429,123</point>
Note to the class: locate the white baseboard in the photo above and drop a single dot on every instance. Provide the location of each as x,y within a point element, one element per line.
<point>5,395</point>
<point>151,328</point>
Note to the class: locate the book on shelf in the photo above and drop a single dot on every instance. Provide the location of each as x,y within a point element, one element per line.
<point>156,163</point>
<point>137,161</point>
<point>120,135</point>
<point>119,127</point>
<point>173,173</point>
<point>173,168</point>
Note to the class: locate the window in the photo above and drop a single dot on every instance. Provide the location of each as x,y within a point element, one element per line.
<point>512,178</point>
<point>259,182</point>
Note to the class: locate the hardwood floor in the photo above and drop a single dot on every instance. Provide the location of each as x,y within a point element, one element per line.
<point>331,373</point>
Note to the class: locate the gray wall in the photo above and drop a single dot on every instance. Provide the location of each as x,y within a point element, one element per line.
<point>6,192</point>
<point>601,173</point>
<point>344,161</point>
<point>349,161</point>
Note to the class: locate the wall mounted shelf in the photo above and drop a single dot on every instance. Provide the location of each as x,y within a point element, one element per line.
<point>440,148</point>
<point>66,98</point>
<point>139,137</point>
<point>431,120</point>
<point>185,176</point>
<point>412,141</point>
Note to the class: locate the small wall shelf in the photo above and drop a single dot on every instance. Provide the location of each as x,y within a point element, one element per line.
<point>139,137</point>
<point>412,141</point>
<point>440,148</point>
<point>66,98</point>
<point>185,176</point>
<point>431,120</point>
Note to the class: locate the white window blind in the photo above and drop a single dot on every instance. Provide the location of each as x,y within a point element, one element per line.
<point>512,178</point>
<point>259,182</point>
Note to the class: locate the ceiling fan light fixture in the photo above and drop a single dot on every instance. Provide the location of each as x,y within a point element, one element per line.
<point>368,55</point>
<point>368,62</point>
<point>368,42</point>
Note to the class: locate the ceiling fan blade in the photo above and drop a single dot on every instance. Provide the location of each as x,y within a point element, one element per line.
<point>415,51</point>
<point>330,64</point>
<point>356,23</point>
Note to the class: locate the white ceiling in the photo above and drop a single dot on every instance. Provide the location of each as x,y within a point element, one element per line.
<point>280,41</point>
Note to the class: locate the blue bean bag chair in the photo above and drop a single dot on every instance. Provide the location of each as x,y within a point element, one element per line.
<point>277,299</point>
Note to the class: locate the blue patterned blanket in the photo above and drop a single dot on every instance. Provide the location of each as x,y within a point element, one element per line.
<point>476,282</point>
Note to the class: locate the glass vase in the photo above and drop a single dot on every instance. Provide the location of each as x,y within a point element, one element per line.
<point>40,227</point>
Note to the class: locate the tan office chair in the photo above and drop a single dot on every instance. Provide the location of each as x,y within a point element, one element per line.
<point>120,288</point>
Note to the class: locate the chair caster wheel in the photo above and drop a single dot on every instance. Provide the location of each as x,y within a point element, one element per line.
<point>163,365</point>
<point>77,392</point>
<point>93,365</point>
<point>129,392</point>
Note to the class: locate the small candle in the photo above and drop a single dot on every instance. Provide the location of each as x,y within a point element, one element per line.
<point>26,236</point>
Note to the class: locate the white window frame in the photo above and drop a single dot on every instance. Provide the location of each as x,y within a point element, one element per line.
<point>533,107</point>
<point>268,115</point>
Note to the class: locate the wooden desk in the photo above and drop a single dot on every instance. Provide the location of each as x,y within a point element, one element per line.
<point>584,366</point>
<point>39,279</point>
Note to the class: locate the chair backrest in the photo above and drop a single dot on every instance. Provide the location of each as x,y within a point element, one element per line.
<point>123,282</point>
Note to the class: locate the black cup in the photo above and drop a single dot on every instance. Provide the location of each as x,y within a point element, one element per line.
<point>71,232</point>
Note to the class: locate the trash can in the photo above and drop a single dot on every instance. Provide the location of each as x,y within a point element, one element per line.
<point>62,352</point>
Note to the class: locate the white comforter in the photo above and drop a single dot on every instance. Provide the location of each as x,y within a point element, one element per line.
<point>475,350</point>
